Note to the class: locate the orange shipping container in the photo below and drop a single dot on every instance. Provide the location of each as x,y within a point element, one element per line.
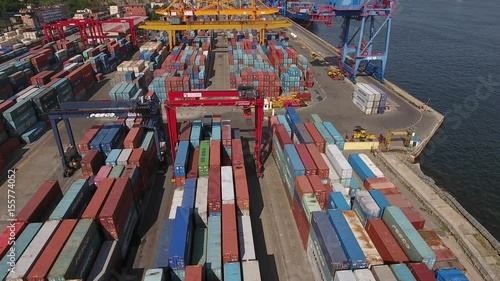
<point>230,251</point>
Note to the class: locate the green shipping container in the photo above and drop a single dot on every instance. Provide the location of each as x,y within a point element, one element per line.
<point>213,267</point>
<point>310,204</point>
<point>116,172</point>
<point>204,159</point>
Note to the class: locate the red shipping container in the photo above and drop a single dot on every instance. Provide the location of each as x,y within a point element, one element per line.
<point>6,105</point>
<point>51,252</point>
<point>282,136</point>
<point>180,181</point>
<point>442,252</point>
<point>320,191</point>
<point>230,244</point>
<point>138,158</point>
<point>398,200</point>
<point>414,217</point>
<point>241,190</point>
<point>214,191</point>
<point>237,156</point>
<point>226,135</point>
<point>42,201</point>
<point>193,273</point>
<point>92,162</point>
<point>193,164</point>
<point>215,153</point>
<point>97,202</point>
<point>323,170</point>
<point>185,131</point>
<point>133,138</point>
<point>421,272</point>
<point>386,244</point>
<point>14,227</point>
<point>301,222</point>
<point>116,208</point>
<point>378,183</point>
<point>390,191</point>
<point>60,74</point>
<point>307,161</point>
<point>303,186</point>
<point>83,144</point>
<point>316,136</point>
<point>8,147</point>
<point>273,121</point>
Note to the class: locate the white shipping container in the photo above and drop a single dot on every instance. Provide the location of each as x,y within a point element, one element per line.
<point>383,273</point>
<point>365,242</point>
<point>129,122</point>
<point>124,156</point>
<point>332,175</point>
<point>363,275</point>
<point>201,204</point>
<point>176,202</point>
<point>33,250</point>
<point>365,109</point>
<point>344,275</point>
<point>314,262</point>
<point>251,270</point>
<point>227,184</point>
<point>375,170</point>
<point>245,238</point>
<point>367,203</point>
<point>338,161</point>
<point>367,92</point>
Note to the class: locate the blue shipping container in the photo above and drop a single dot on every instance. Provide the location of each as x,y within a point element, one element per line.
<point>181,159</point>
<point>112,157</point>
<point>328,242</point>
<point>163,249</point>
<point>324,133</point>
<point>180,244</point>
<point>347,239</point>
<point>450,275</point>
<point>214,249</point>
<point>282,120</point>
<point>216,132</point>
<point>293,161</point>
<point>337,201</point>
<point>402,272</point>
<point>113,139</point>
<point>301,135</point>
<point>189,194</point>
<point>235,132</point>
<point>353,187</point>
<point>380,199</point>
<point>73,202</point>
<point>195,136</point>
<point>96,142</point>
<point>292,117</point>
<point>359,166</point>
<point>232,271</point>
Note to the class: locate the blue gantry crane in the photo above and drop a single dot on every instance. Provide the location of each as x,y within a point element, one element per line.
<point>358,43</point>
<point>148,108</point>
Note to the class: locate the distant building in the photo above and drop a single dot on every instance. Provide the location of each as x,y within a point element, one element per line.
<point>34,17</point>
<point>136,10</point>
<point>92,13</point>
<point>117,11</point>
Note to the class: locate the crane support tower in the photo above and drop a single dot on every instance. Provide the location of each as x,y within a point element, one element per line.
<point>357,42</point>
<point>245,97</point>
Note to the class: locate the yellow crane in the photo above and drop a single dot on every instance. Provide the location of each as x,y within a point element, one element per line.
<point>407,135</point>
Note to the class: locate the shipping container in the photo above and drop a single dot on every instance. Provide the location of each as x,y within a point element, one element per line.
<point>213,266</point>
<point>384,241</point>
<point>414,217</point>
<point>293,161</point>
<point>332,174</point>
<point>163,249</point>
<point>365,207</point>
<point>103,173</point>
<point>98,199</point>
<point>232,271</point>
<point>189,194</point>
<point>41,203</point>
<point>344,275</point>
<point>347,239</point>
<point>442,252</point>
<point>319,142</point>
<point>112,158</point>
<point>283,136</point>
<point>180,244</point>
<point>227,185</point>
<point>22,242</point>
<point>282,120</point>
<point>303,187</point>
<point>450,275</point>
<point>292,117</point>
<point>79,253</point>
<point>359,166</point>
<point>338,161</point>
<point>336,200</point>
<point>91,163</point>
<point>185,131</point>
<point>245,238</point>
<point>108,260</point>
<point>407,236</point>
<point>193,164</point>
<point>307,161</point>
<point>201,204</point>
<point>230,252</point>
<point>320,191</point>
<point>215,153</point>
<point>378,183</point>
<point>237,156</point>
<point>176,202</point>
<point>401,272</point>
<point>74,201</point>
<point>154,275</point>
<point>113,139</point>
<point>194,273</point>
<point>375,170</point>
<point>115,211</point>
<point>383,273</point>
<point>241,190</point>
<point>13,230</point>
<point>199,256</point>
<point>380,199</point>
<point>363,275</point>
<point>181,159</point>
<point>421,272</point>
<point>369,250</point>
<point>204,158</point>
<point>214,192</point>
<point>116,172</point>
<point>134,138</point>
<point>251,271</point>
<point>398,200</point>
<point>319,162</point>
<point>124,156</point>
<point>33,251</point>
<point>301,135</point>
<point>310,205</point>
<point>195,135</point>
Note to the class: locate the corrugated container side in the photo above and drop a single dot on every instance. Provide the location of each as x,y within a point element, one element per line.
<point>245,235</point>
<point>398,200</point>
<point>348,241</point>
<point>378,183</point>
<point>414,217</point>
<point>316,136</point>
<point>375,170</point>
<point>193,164</point>
<point>450,274</point>
<point>301,135</point>
<point>48,194</point>
<point>383,273</point>
<point>115,210</point>
<point>320,191</point>
<point>293,161</point>
<point>251,270</point>
<point>407,236</point>
<point>107,260</point>
<point>180,244</point>
<point>421,272</point>
<point>201,204</point>
<point>215,153</point>
<point>442,252</point>
<point>401,272</point>
<point>369,250</point>
<point>241,190</point>
<point>344,275</point>
<point>181,159</point>
<point>214,192</point>
<point>194,273</point>
<point>227,185</point>
<point>363,275</point>
<point>384,241</point>
<point>73,201</point>
<point>332,174</point>
<point>189,194</point>
<point>303,186</point>
<point>78,254</point>
<point>162,251</point>
<point>307,161</point>
<point>213,266</point>
<point>185,131</point>
<point>361,169</point>
<point>237,156</point>
<point>336,200</point>
<point>97,202</point>
<point>322,167</point>
<point>230,252</point>
<point>338,161</point>
<point>283,136</point>
<point>380,199</point>
<point>232,271</point>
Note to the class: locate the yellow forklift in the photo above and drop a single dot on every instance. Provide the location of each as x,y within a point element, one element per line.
<point>360,134</point>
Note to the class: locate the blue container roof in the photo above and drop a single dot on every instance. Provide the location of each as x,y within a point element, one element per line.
<point>348,240</point>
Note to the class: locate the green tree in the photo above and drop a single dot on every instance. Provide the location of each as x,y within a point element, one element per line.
<point>153,15</point>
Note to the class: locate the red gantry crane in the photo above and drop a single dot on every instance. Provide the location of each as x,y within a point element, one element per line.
<point>245,97</point>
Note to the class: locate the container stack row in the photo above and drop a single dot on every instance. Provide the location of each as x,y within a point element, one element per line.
<point>84,233</point>
<point>136,72</point>
<point>208,231</point>
<point>153,52</point>
<point>369,99</point>
<point>348,232</point>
